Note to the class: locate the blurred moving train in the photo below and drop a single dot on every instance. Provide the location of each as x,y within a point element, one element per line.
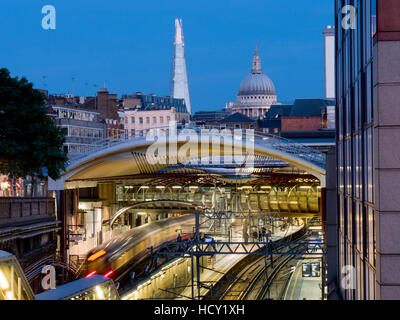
<point>119,255</point>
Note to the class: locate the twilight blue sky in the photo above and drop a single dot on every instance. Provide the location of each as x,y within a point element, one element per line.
<point>129,44</point>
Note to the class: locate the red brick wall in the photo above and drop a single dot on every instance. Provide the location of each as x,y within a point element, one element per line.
<point>301,123</point>
<point>388,22</point>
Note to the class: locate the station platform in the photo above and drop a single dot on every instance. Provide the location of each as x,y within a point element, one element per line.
<point>302,288</point>
<point>224,263</point>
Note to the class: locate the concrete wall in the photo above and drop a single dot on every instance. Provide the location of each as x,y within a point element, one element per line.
<point>177,273</point>
<point>387,167</point>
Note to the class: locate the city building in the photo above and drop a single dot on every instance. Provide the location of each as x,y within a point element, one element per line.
<point>368,126</point>
<point>307,115</point>
<point>329,61</point>
<point>28,225</point>
<point>108,105</point>
<point>143,112</point>
<point>209,117</point>
<point>329,73</point>
<point>238,121</point>
<point>179,77</point>
<point>82,126</point>
<point>256,92</point>
<point>302,115</point>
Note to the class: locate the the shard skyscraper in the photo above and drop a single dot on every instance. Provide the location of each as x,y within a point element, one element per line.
<point>179,78</point>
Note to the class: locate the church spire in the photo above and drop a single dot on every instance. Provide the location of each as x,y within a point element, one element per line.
<point>256,67</point>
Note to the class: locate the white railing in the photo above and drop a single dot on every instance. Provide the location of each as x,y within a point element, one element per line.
<point>278,143</point>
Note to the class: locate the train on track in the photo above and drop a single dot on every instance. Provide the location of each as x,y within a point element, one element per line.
<point>120,254</point>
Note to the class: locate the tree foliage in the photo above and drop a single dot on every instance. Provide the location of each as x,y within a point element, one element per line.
<point>29,139</point>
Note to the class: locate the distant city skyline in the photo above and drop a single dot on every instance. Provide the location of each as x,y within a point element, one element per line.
<point>130,46</point>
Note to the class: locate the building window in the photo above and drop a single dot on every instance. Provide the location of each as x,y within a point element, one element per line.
<point>154,119</point>
<point>133,120</point>
<point>147,120</point>
<point>161,119</point>
<point>141,120</point>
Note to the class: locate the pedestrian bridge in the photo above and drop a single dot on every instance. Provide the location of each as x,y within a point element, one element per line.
<point>123,156</point>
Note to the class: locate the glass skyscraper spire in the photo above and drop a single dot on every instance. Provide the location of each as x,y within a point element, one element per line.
<point>179,78</point>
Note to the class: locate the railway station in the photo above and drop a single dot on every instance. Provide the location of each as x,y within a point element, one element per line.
<point>117,205</point>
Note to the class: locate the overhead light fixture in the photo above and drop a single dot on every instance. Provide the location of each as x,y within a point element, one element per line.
<point>160,187</point>
<point>265,187</point>
<point>141,213</point>
<point>176,187</point>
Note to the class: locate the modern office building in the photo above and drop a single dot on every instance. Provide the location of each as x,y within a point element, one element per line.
<point>329,61</point>
<point>368,167</point>
<point>179,77</point>
<point>329,73</point>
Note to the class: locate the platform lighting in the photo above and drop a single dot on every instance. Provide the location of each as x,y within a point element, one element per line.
<point>141,213</point>
<point>265,187</point>
<point>193,187</point>
<point>247,187</point>
<point>160,187</point>
<point>305,187</point>
<point>3,281</point>
<point>144,187</point>
<point>176,187</point>
<point>10,295</point>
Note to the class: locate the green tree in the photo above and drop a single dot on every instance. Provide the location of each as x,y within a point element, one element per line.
<point>29,139</point>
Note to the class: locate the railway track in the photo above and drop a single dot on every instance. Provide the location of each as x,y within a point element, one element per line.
<point>254,280</point>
